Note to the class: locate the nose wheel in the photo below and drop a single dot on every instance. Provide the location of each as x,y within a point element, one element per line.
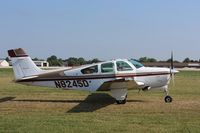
<point>168,99</point>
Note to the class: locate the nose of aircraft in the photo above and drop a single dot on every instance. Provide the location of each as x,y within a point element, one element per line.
<point>168,70</point>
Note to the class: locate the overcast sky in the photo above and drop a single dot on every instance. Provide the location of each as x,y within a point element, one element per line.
<point>106,29</point>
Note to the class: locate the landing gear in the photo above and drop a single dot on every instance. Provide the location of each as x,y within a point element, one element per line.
<point>120,95</point>
<point>121,101</point>
<point>168,99</point>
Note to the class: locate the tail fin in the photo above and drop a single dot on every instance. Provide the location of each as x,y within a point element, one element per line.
<point>23,65</point>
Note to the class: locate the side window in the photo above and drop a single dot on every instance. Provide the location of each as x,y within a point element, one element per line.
<point>123,66</point>
<point>107,67</point>
<point>90,70</point>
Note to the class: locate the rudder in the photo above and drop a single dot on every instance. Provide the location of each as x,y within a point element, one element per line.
<point>23,65</point>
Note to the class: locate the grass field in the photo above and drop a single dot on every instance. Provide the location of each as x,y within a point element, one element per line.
<point>39,110</point>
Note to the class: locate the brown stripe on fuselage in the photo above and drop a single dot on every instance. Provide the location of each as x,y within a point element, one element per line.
<point>60,76</point>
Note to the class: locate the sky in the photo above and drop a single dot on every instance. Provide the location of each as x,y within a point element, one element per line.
<point>104,29</point>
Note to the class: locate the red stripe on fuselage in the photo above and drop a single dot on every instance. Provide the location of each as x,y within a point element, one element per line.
<point>94,77</point>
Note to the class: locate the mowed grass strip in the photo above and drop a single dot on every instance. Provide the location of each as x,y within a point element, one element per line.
<point>39,109</point>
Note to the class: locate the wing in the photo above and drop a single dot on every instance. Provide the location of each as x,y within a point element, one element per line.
<point>121,84</point>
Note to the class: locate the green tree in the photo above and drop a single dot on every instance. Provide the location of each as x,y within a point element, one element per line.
<point>143,59</point>
<point>152,60</point>
<point>54,61</point>
<point>81,61</point>
<point>146,59</point>
<point>35,59</point>
<point>72,61</point>
<point>7,59</point>
<point>95,60</point>
<point>186,60</point>
<point>169,60</point>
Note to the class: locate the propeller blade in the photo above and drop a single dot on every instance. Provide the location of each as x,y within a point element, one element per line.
<point>172,61</point>
<point>172,68</point>
<point>173,83</point>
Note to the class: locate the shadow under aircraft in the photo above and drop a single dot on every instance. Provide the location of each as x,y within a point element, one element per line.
<point>5,99</point>
<point>93,102</point>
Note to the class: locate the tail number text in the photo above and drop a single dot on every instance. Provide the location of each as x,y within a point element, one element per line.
<point>71,83</point>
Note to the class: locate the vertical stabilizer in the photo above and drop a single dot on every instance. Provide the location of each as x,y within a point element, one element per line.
<point>23,65</point>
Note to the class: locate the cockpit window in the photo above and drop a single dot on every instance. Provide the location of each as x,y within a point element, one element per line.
<point>107,67</point>
<point>136,63</point>
<point>123,66</point>
<point>90,70</point>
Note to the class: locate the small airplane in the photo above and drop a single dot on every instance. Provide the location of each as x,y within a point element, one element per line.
<point>117,76</point>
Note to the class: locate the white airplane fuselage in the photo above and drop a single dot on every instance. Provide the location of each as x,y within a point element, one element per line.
<point>150,77</point>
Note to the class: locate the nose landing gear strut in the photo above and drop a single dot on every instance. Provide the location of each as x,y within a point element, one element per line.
<point>168,99</point>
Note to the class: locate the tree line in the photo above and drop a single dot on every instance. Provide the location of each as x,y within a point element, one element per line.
<point>186,60</point>
<point>73,61</point>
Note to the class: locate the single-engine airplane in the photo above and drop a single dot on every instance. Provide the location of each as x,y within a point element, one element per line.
<point>116,76</point>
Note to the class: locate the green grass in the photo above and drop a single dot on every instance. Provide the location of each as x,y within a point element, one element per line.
<point>40,110</point>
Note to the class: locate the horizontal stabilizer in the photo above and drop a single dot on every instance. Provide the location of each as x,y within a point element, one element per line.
<point>31,77</point>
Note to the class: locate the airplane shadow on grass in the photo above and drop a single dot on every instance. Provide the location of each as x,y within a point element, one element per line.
<point>91,103</point>
<point>94,102</point>
<point>47,101</point>
<point>5,99</point>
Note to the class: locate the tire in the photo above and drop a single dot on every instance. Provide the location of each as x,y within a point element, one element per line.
<point>168,99</point>
<point>121,101</point>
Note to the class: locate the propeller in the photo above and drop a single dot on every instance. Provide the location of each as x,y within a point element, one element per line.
<point>172,67</point>
<point>172,70</point>
<point>172,60</point>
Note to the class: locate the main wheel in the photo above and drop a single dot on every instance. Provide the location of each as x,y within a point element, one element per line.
<point>121,101</point>
<point>168,99</point>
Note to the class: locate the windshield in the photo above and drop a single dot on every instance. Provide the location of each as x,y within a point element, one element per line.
<point>136,63</point>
